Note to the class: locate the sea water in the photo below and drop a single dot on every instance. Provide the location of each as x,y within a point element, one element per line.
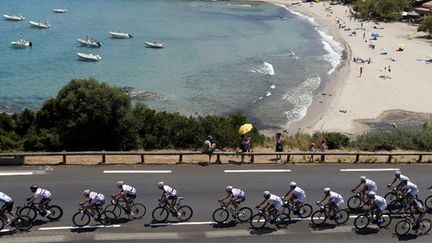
<point>260,60</point>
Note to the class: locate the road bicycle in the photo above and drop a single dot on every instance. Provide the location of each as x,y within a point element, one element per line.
<point>221,214</point>
<point>83,216</point>
<point>355,202</point>
<point>363,220</point>
<point>393,194</point>
<point>428,200</point>
<point>260,219</point>
<point>399,205</point>
<point>304,211</point>
<point>20,222</point>
<point>32,210</point>
<point>320,216</point>
<point>137,211</point>
<point>162,212</point>
<point>405,225</point>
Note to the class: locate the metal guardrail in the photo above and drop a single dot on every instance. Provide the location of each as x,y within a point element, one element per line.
<point>289,154</point>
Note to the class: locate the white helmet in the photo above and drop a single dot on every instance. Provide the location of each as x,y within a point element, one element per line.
<point>120,184</point>
<point>293,184</point>
<point>161,184</point>
<point>397,173</point>
<point>228,188</point>
<point>266,194</point>
<point>371,194</point>
<point>86,192</point>
<point>326,190</point>
<point>362,178</point>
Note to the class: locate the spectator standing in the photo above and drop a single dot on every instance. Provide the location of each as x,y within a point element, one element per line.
<point>312,148</point>
<point>279,145</point>
<point>209,147</point>
<point>245,145</point>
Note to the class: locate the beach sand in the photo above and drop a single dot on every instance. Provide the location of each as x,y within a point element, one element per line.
<point>347,97</point>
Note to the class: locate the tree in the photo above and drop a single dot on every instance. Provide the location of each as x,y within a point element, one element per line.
<point>391,9</point>
<point>426,25</point>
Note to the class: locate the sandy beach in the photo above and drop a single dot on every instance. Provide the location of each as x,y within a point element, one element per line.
<point>393,80</point>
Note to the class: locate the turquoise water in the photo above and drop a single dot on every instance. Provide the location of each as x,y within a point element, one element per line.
<point>220,57</point>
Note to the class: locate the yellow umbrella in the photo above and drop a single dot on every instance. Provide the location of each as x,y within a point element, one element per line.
<point>245,128</point>
<point>429,56</point>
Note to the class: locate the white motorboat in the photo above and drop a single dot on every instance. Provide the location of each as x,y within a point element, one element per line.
<point>120,35</point>
<point>14,17</point>
<point>42,25</point>
<point>154,44</point>
<point>89,42</point>
<point>89,57</point>
<point>60,10</point>
<point>21,43</point>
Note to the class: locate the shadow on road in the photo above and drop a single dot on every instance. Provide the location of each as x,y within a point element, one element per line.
<point>83,230</point>
<point>8,233</point>
<point>230,224</point>
<point>406,237</point>
<point>367,231</point>
<point>263,231</point>
<point>120,221</point>
<point>38,222</point>
<point>324,226</point>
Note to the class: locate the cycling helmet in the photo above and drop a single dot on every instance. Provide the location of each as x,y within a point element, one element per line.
<point>161,184</point>
<point>86,192</point>
<point>120,184</point>
<point>293,184</point>
<point>266,194</point>
<point>397,174</point>
<point>326,190</point>
<point>228,188</point>
<point>362,178</point>
<point>371,194</point>
<point>33,188</point>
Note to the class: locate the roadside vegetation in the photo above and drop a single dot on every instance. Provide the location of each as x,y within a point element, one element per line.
<point>426,25</point>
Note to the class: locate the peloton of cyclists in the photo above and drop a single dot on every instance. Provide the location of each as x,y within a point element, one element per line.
<point>398,177</point>
<point>377,206</point>
<point>127,194</point>
<point>334,200</point>
<point>297,196</point>
<point>368,186</point>
<point>272,204</point>
<point>94,201</point>
<point>236,196</point>
<point>169,194</point>
<point>7,207</point>
<point>45,196</point>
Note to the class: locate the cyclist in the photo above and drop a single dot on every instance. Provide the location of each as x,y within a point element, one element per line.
<point>272,204</point>
<point>169,194</point>
<point>7,207</point>
<point>417,208</point>
<point>398,177</point>
<point>368,186</point>
<point>409,191</point>
<point>297,197</point>
<point>127,194</point>
<point>377,205</point>
<point>236,197</point>
<point>335,200</point>
<point>45,196</point>
<point>94,201</point>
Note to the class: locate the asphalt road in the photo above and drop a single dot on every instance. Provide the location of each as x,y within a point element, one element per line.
<point>201,186</point>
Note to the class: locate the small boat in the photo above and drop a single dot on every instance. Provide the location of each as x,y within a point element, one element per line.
<point>21,43</point>
<point>60,10</point>
<point>89,42</point>
<point>154,44</point>
<point>89,57</point>
<point>120,35</point>
<point>14,17</point>
<point>42,25</point>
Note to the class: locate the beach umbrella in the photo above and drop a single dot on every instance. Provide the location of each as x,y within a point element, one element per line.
<point>429,56</point>
<point>245,128</point>
<point>401,46</point>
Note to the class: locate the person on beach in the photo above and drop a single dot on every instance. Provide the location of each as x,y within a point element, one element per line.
<point>279,145</point>
<point>245,145</point>
<point>209,147</point>
<point>361,71</point>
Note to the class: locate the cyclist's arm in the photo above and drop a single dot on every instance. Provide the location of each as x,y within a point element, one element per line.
<point>262,203</point>
<point>394,180</point>
<point>286,195</point>
<point>86,200</point>
<point>32,198</point>
<point>227,196</point>
<point>117,195</point>
<point>355,188</point>
<point>325,197</point>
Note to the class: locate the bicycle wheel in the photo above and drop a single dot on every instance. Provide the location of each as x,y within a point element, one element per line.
<point>107,217</point>
<point>391,196</point>
<point>285,219</point>
<point>23,223</point>
<point>2,224</point>
<point>115,209</point>
<point>402,227</point>
<point>81,219</point>
<point>286,209</point>
<point>319,217</point>
<point>220,215</point>
<point>341,216</point>
<point>56,212</point>
<point>386,220</point>
<point>305,211</point>
<point>258,221</point>
<point>428,203</point>
<point>186,212</point>
<point>138,210</point>
<point>354,202</point>
<point>362,221</point>
<point>425,226</point>
<point>244,214</point>
<point>160,214</point>
<point>395,207</point>
<point>28,211</point>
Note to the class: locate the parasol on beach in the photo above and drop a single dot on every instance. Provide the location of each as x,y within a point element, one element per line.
<point>245,128</point>
<point>429,57</point>
<point>401,46</point>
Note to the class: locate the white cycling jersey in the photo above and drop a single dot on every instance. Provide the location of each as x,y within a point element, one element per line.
<point>169,191</point>
<point>336,198</point>
<point>370,185</point>
<point>5,198</point>
<point>276,201</point>
<point>96,197</point>
<point>411,188</point>
<point>402,177</point>
<point>299,193</point>
<point>43,193</point>
<point>126,189</point>
<point>235,192</point>
<point>380,202</point>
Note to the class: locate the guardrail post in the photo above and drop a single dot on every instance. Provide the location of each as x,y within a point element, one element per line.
<point>288,158</point>
<point>64,157</point>
<point>357,158</point>
<point>218,160</point>
<point>103,157</point>
<point>420,158</point>
<point>389,158</point>
<point>181,158</point>
<point>252,158</point>
<point>322,158</point>
<point>142,158</point>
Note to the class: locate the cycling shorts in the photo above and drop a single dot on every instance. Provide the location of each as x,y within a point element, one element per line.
<point>238,199</point>
<point>7,207</point>
<point>172,197</point>
<point>45,201</point>
<point>131,196</point>
<point>301,198</point>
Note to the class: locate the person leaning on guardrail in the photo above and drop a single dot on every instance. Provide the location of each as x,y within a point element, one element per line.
<point>209,146</point>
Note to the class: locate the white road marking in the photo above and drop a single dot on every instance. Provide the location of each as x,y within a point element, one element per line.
<point>16,173</point>
<point>337,229</point>
<point>36,239</point>
<point>184,223</point>
<point>137,236</point>
<point>369,170</point>
<point>258,171</point>
<point>84,227</point>
<point>226,233</point>
<point>137,171</point>
<point>5,230</point>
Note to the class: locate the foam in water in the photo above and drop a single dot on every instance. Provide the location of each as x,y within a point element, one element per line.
<point>268,93</point>
<point>301,98</point>
<point>266,69</point>
<point>272,86</point>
